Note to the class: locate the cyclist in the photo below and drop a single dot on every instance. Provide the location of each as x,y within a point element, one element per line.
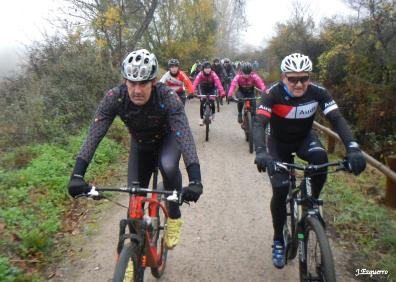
<point>218,68</point>
<point>229,69</point>
<point>196,71</point>
<point>160,133</point>
<point>176,79</point>
<point>207,81</point>
<point>194,66</point>
<point>290,108</point>
<point>245,81</point>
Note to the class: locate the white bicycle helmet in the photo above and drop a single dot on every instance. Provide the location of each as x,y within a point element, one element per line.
<point>296,62</point>
<point>140,65</point>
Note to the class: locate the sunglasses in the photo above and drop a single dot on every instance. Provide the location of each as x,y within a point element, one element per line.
<point>296,79</point>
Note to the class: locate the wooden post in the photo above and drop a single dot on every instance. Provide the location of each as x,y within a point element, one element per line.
<point>331,141</point>
<point>390,193</point>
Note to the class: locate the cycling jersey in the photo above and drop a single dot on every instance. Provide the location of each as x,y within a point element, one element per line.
<point>230,71</point>
<point>177,82</point>
<point>208,83</point>
<point>291,118</point>
<point>220,71</point>
<point>246,85</point>
<point>148,124</point>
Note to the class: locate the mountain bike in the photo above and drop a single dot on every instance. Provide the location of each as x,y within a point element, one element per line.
<point>304,230</point>
<point>247,119</point>
<point>207,115</point>
<point>143,244</point>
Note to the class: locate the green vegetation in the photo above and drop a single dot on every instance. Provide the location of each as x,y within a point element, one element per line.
<point>362,225</point>
<point>357,218</point>
<point>34,199</point>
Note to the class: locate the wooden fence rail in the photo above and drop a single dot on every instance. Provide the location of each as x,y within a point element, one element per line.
<point>390,193</point>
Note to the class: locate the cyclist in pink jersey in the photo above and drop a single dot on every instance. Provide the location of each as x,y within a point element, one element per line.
<point>207,81</point>
<point>245,81</point>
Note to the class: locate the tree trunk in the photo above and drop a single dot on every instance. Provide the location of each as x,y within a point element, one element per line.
<point>139,33</point>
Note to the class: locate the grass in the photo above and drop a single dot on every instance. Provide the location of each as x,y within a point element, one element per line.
<point>359,221</point>
<point>34,199</point>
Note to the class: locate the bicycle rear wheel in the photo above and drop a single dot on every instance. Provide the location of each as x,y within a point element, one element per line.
<point>128,267</point>
<point>158,238</point>
<point>317,263</point>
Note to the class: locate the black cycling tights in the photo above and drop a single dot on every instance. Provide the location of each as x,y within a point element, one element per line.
<point>242,103</point>
<point>311,150</point>
<point>201,108</point>
<point>143,159</point>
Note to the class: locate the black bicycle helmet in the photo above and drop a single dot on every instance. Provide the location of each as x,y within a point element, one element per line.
<point>247,68</point>
<point>173,62</point>
<point>206,65</point>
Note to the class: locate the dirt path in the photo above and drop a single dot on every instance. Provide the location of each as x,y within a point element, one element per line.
<point>226,236</point>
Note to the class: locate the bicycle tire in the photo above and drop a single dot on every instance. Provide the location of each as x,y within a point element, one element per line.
<point>250,132</point>
<point>245,126</point>
<point>159,239</point>
<point>129,260</point>
<point>325,269</point>
<point>207,115</point>
<point>218,103</point>
<point>207,132</point>
<point>290,227</point>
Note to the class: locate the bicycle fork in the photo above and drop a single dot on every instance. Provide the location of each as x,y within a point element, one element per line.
<point>312,209</point>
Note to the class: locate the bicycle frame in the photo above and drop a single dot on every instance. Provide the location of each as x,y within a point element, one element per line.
<point>142,231</point>
<point>136,219</point>
<point>304,204</point>
<point>247,120</point>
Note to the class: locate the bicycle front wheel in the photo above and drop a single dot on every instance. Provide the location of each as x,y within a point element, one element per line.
<point>128,267</point>
<point>250,132</point>
<point>317,263</point>
<point>289,231</point>
<point>158,238</point>
<point>207,116</point>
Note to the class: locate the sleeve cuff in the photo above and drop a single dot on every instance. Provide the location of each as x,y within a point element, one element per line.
<point>194,172</point>
<point>80,167</point>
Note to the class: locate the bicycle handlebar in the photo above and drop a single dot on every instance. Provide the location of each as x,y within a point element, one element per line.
<point>205,96</point>
<point>244,99</point>
<point>173,196</point>
<point>340,165</point>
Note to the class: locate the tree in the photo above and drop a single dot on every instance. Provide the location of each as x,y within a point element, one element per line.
<point>231,20</point>
<point>183,29</point>
<point>116,25</point>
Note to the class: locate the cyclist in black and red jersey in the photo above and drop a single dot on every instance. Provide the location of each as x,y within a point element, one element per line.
<point>160,133</point>
<point>290,108</point>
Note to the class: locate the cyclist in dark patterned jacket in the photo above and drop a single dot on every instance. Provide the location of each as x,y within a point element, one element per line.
<point>290,108</point>
<point>229,69</point>
<point>160,133</point>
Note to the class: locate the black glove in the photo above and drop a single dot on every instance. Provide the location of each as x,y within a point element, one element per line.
<point>356,161</point>
<point>264,161</point>
<point>77,186</point>
<point>193,191</point>
<point>190,96</point>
